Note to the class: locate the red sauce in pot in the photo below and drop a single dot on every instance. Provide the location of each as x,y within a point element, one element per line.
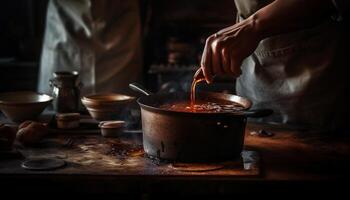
<point>203,107</point>
<point>199,105</point>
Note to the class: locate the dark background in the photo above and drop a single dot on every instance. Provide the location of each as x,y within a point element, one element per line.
<point>22,24</point>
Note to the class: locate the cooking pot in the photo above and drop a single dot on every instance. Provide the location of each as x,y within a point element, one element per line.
<point>193,136</point>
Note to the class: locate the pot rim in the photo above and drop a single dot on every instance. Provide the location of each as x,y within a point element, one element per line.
<point>47,98</point>
<point>174,112</point>
<point>106,99</point>
<point>112,124</point>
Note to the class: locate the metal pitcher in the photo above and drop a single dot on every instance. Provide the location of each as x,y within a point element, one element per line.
<point>65,91</point>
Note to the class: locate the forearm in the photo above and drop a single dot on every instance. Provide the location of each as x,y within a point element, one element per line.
<point>225,50</point>
<point>283,16</point>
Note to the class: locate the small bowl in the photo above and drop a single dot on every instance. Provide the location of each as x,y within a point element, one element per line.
<point>105,107</point>
<point>21,106</point>
<point>68,120</point>
<point>111,128</point>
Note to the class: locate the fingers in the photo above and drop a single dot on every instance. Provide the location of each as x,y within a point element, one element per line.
<point>206,61</point>
<point>226,61</point>
<point>216,57</point>
<point>231,62</point>
<point>225,50</point>
<point>235,67</point>
<point>199,74</point>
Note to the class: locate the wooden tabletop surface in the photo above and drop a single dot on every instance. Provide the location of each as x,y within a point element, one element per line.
<point>96,164</point>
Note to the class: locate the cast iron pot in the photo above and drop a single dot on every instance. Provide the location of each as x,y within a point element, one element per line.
<point>193,137</point>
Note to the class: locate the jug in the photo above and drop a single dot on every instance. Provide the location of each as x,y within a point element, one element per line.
<point>65,91</point>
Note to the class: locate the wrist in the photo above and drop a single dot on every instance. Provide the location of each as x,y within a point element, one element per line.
<point>258,26</point>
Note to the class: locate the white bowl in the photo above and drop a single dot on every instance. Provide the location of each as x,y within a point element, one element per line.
<point>24,105</point>
<point>111,128</point>
<point>106,106</point>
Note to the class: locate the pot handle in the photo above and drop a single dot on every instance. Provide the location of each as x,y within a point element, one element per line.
<point>257,113</point>
<point>139,88</point>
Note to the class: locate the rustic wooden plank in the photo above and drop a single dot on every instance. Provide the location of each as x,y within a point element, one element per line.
<point>95,155</point>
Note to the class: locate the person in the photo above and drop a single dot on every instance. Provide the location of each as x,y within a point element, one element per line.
<point>101,39</point>
<point>287,55</point>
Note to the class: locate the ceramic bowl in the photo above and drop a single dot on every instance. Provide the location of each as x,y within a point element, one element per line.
<point>111,128</point>
<point>21,106</point>
<point>104,107</point>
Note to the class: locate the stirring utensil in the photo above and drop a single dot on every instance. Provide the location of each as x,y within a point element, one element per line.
<point>139,88</point>
<point>198,77</point>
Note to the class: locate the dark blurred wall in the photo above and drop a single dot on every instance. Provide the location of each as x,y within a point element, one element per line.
<point>22,24</point>
<point>21,32</point>
<point>186,20</point>
<point>175,33</point>
<point>21,28</point>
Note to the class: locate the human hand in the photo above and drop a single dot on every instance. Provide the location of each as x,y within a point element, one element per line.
<point>225,50</point>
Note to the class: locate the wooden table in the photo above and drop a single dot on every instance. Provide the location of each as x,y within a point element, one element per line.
<point>290,161</point>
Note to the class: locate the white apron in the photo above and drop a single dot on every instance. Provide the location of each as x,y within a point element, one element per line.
<point>101,39</point>
<point>301,75</point>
